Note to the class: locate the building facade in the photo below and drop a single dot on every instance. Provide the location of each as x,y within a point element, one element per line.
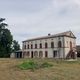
<point>60,45</point>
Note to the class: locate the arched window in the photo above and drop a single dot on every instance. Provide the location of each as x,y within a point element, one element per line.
<point>28,54</point>
<point>28,46</point>
<point>24,46</point>
<point>59,44</point>
<point>35,46</point>
<point>24,54</point>
<point>40,54</point>
<point>46,45</point>
<point>40,45</point>
<point>52,44</point>
<point>70,45</point>
<point>35,54</point>
<point>31,46</point>
<point>46,54</point>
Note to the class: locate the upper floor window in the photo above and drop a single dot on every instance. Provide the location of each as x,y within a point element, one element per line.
<point>24,46</point>
<point>31,46</point>
<point>70,45</point>
<point>28,46</point>
<point>36,46</point>
<point>59,44</point>
<point>67,43</point>
<point>52,44</point>
<point>46,45</point>
<point>40,45</point>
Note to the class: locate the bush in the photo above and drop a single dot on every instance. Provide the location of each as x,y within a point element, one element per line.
<point>34,65</point>
<point>45,64</point>
<point>28,65</point>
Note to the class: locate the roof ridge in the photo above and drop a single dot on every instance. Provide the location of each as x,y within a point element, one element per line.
<point>48,36</point>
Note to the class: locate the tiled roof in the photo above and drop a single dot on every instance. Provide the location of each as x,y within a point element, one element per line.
<point>67,33</point>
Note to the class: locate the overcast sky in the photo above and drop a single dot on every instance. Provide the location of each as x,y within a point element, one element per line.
<point>32,18</point>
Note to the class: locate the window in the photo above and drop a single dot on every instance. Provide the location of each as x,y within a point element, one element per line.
<point>70,45</point>
<point>46,54</point>
<point>67,43</point>
<point>24,46</point>
<point>27,54</point>
<point>52,44</point>
<point>24,53</point>
<point>35,46</point>
<point>31,46</point>
<point>28,46</point>
<point>46,45</point>
<point>59,44</point>
<point>40,45</point>
<point>35,54</point>
<point>40,54</point>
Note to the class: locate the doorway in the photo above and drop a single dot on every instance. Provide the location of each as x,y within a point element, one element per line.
<point>32,54</point>
<point>18,55</point>
<point>54,53</point>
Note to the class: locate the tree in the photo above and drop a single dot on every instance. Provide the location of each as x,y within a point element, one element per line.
<point>15,46</point>
<point>5,39</point>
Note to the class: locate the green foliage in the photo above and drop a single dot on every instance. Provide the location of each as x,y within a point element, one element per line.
<point>34,65</point>
<point>28,65</point>
<point>15,46</point>
<point>46,64</point>
<point>5,39</point>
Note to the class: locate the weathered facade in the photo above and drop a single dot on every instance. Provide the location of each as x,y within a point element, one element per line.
<point>60,45</point>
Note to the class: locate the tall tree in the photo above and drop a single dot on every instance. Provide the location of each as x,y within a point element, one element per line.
<point>15,46</point>
<point>5,39</point>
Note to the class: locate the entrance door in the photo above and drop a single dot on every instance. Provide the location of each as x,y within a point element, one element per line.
<point>54,53</point>
<point>20,55</point>
<point>32,54</point>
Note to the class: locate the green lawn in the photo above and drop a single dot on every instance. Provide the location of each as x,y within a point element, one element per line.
<point>61,70</point>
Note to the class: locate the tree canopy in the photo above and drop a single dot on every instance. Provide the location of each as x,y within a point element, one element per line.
<point>5,39</point>
<point>15,46</point>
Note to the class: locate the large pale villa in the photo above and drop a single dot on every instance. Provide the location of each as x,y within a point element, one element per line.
<point>62,45</point>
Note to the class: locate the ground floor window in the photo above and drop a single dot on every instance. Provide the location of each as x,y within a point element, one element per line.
<point>46,54</point>
<point>35,54</point>
<point>28,53</point>
<point>40,54</point>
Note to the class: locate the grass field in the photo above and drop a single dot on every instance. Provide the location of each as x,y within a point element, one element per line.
<point>61,70</point>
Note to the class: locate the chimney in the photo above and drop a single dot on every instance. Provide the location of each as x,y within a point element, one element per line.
<point>49,34</point>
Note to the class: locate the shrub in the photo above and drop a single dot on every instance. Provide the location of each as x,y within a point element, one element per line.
<point>28,65</point>
<point>34,65</point>
<point>45,64</point>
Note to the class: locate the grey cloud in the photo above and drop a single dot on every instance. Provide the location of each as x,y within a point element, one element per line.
<point>32,18</point>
